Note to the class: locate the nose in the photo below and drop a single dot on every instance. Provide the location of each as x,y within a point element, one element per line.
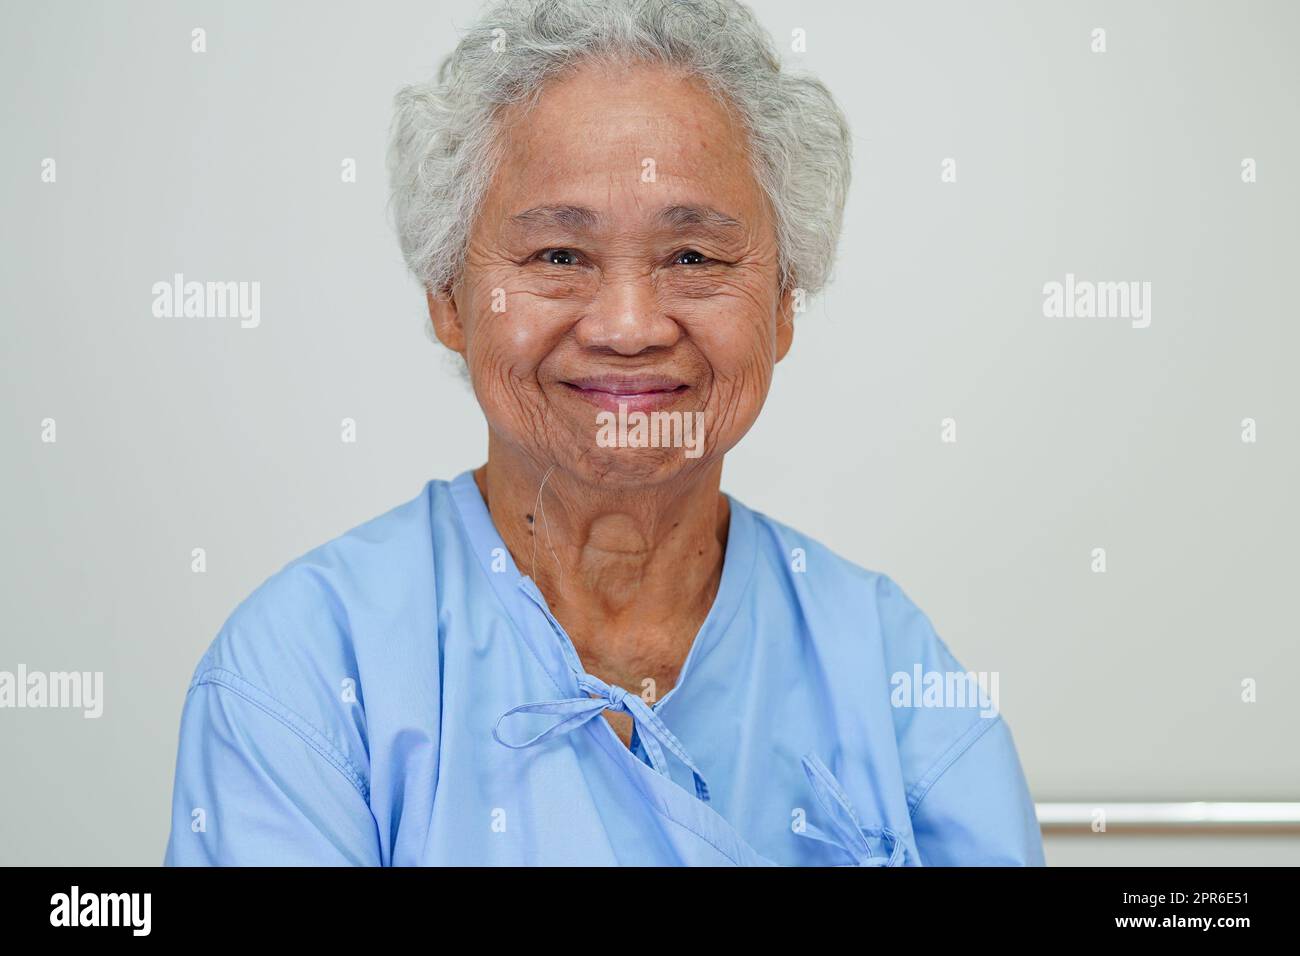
<point>626,317</point>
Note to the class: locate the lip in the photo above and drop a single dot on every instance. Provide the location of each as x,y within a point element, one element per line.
<point>642,393</point>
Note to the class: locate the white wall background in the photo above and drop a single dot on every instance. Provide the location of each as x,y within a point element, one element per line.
<point>1072,434</point>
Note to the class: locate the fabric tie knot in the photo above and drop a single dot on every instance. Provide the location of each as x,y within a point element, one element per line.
<point>617,697</point>
<point>847,832</point>
<point>573,712</point>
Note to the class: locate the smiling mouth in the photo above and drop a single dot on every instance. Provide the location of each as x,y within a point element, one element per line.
<point>635,394</point>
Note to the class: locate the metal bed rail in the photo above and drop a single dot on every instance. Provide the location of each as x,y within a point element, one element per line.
<point>1196,817</point>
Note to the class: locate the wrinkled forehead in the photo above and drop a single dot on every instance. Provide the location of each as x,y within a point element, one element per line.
<point>603,149</point>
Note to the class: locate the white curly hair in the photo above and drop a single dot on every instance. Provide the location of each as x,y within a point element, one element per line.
<point>443,150</point>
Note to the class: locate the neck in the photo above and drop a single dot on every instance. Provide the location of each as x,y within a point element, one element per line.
<point>630,572</point>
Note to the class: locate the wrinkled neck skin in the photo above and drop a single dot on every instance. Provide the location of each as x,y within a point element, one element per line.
<point>630,573</point>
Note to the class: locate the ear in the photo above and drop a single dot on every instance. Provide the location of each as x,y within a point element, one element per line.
<point>445,316</point>
<point>784,323</point>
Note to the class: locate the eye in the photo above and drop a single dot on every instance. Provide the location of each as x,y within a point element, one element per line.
<point>689,257</point>
<point>558,257</point>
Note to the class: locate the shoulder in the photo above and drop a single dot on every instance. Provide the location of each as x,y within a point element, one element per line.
<point>294,647</point>
<point>306,612</point>
<point>867,605</point>
<point>884,647</point>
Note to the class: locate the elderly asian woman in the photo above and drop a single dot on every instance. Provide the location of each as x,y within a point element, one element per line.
<point>584,652</point>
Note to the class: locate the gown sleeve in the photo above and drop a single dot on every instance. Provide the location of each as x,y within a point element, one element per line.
<point>969,800</point>
<point>978,810</point>
<point>258,786</point>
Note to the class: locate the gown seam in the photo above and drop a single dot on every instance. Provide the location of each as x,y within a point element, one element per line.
<point>229,680</point>
<point>951,755</point>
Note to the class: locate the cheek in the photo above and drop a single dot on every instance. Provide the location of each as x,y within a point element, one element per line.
<point>739,345</point>
<point>510,333</point>
<point>508,337</point>
<point>736,334</point>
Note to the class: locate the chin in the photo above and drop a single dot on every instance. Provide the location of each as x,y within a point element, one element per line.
<point>626,469</point>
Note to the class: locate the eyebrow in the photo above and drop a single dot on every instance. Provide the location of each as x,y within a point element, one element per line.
<point>572,218</point>
<point>582,219</point>
<point>680,217</point>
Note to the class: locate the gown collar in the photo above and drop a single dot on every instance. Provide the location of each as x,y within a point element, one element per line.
<point>577,707</point>
<point>557,655</point>
<point>561,659</point>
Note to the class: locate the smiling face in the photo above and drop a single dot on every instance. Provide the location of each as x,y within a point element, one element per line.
<point>624,255</point>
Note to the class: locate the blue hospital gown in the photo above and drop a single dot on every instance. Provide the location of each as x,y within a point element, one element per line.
<point>403,696</point>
